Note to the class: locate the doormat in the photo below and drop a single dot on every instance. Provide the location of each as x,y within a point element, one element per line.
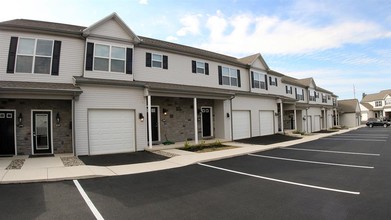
<point>41,155</point>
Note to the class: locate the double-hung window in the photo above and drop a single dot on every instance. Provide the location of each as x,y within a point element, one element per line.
<point>378,103</point>
<point>200,67</point>
<point>324,98</point>
<point>229,76</point>
<point>157,60</point>
<point>259,80</point>
<point>109,58</point>
<point>273,82</point>
<point>288,89</point>
<point>34,56</point>
<point>312,96</point>
<point>299,94</point>
<point>388,101</point>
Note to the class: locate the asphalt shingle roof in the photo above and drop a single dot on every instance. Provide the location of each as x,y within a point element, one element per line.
<point>376,96</point>
<point>348,105</point>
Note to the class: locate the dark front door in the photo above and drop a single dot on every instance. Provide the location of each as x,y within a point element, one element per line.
<point>7,133</point>
<point>155,123</point>
<point>42,132</point>
<point>206,121</point>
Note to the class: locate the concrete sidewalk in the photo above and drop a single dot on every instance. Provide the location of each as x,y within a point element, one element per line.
<point>44,169</point>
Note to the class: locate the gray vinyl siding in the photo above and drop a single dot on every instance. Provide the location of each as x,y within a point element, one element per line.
<point>180,71</point>
<point>254,105</point>
<point>71,59</point>
<point>100,97</point>
<point>111,29</point>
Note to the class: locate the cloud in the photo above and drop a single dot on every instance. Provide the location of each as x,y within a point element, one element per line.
<point>246,34</point>
<point>171,38</point>
<point>191,25</point>
<point>143,2</point>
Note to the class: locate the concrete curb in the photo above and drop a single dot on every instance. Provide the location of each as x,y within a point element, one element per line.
<point>53,174</point>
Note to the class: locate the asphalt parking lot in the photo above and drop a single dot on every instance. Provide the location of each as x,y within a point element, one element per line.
<point>344,176</point>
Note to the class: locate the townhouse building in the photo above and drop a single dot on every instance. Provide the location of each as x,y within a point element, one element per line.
<point>103,89</point>
<point>350,112</point>
<point>376,105</point>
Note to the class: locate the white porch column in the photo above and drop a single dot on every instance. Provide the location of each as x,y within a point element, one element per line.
<point>282,118</point>
<point>195,121</point>
<point>295,117</point>
<point>149,122</point>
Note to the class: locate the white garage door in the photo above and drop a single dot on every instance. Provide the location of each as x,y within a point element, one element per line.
<point>266,122</point>
<point>111,131</point>
<point>241,124</point>
<point>316,123</point>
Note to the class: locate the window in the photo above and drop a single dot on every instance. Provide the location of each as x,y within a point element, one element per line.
<point>378,103</point>
<point>288,89</point>
<point>324,98</point>
<point>299,94</point>
<point>229,76</point>
<point>156,60</point>
<point>34,56</point>
<point>388,101</point>
<point>273,82</point>
<point>199,67</point>
<point>312,96</point>
<point>328,97</point>
<point>109,58</point>
<point>259,81</point>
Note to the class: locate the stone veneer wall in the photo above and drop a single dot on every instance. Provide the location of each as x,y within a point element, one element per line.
<point>178,124</point>
<point>62,133</point>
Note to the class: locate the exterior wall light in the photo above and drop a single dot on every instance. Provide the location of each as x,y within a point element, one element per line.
<point>20,120</point>
<point>227,115</point>
<point>165,111</point>
<point>141,117</point>
<point>58,119</point>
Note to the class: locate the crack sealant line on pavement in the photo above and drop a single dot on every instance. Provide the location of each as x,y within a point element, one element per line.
<point>280,181</point>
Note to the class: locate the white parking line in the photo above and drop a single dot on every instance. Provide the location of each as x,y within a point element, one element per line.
<point>369,136</point>
<point>88,201</point>
<point>281,181</point>
<point>330,151</point>
<point>309,161</point>
<point>350,139</point>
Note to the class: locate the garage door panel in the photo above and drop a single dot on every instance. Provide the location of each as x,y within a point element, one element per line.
<point>241,124</point>
<point>316,123</point>
<point>111,131</point>
<point>266,121</point>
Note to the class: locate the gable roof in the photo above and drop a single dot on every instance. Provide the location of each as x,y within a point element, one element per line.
<point>116,18</point>
<point>376,96</point>
<point>367,105</point>
<point>348,105</point>
<point>307,81</point>
<point>249,60</point>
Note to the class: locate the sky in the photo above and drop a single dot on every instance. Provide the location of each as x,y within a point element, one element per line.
<point>345,45</point>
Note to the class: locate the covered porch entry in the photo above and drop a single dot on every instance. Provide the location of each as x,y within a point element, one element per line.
<point>177,113</point>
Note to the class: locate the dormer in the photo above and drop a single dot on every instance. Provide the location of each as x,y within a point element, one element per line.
<point>109,49</point>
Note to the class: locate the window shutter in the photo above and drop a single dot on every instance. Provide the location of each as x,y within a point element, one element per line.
<point>90,56</point>
<point>12,55</point>
<point>193,66</point>
<point>239,83</point>
<point>148,59</point>
<point>291,90</point>
<point>56,58</point>
<point>266,82</point>
<point>165,62</point>
<point>286,89</point>
<point>220,75</point>
<point>252,80</point>
<point>270,80</point>
<point>302,92</point>
<point>206,69</point>
<point>276,81</point>
<point>129,60</point>
<point>296,93</point>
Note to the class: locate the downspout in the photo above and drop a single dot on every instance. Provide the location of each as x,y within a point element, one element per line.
<point>230,111</point>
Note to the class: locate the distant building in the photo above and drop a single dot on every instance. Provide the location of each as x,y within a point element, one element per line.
<point>349,112</point>
<point>377,105</point>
